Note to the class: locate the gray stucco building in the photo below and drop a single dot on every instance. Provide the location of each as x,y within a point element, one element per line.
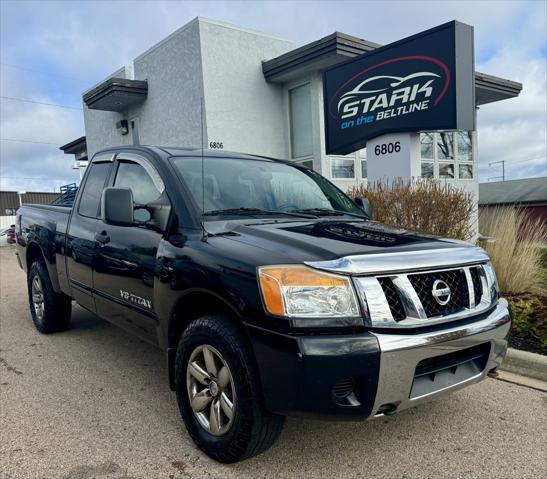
<point>256,93</point>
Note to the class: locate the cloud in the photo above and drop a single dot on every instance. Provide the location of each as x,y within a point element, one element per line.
<point>66,47</point>
<point>515,131</point>
<point>20,161</point>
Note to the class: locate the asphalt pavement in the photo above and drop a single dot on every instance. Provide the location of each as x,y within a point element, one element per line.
<point>93,402</point>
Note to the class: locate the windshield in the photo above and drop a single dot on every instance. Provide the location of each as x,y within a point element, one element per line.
<point>247,187</point>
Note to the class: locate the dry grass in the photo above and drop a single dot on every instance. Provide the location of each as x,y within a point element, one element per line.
<point>421,205</point>
<point>516,249</point>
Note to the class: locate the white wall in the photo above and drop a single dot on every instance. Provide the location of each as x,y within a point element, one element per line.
<point>204,59</point>
<point>243,111</point>
<point>395,164</point>
<point>170,116</point>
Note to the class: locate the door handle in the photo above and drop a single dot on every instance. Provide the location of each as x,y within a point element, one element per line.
<point>102,237</point>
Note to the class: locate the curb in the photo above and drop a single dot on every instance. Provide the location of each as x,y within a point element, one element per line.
<point>526,364</point>
<point>525,381</point>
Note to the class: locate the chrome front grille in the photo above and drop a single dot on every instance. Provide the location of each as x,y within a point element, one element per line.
<point>477,286</point>
<point>408,300</point>
<point>456,281</point>
<point>393,298</point>
<point>393,287</point>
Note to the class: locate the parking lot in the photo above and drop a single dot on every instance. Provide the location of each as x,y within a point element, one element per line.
<point>94,402</point>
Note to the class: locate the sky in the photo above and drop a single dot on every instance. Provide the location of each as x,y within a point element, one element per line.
<point>50,52</point>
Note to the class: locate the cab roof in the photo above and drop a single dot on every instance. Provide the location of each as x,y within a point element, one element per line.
<point>181,151</point>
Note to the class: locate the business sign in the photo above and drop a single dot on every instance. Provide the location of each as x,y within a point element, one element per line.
<point>423,82</point>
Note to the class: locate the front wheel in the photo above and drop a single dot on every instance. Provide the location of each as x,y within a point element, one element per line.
<point>219,393</point>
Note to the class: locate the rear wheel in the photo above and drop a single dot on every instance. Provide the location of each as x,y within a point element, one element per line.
<point>50,311</point>
<point>219,393</point>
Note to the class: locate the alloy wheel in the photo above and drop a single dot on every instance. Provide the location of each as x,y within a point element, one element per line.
<point>37,292</point>
<point>211,390</point>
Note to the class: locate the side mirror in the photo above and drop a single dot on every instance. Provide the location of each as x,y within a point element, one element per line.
<point>117,206</point>
<point>364,204</point>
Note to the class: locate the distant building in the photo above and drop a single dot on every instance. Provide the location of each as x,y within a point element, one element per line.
<point>11,200</point>
<point>78,148</point>
<point>529,194</point>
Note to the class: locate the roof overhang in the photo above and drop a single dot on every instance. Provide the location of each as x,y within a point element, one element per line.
<point>337,47</point>
<point>489,88</point>
<point>77,147</point>
<point>317,55</point>
<point>74,146</point>
<point>116,94</point>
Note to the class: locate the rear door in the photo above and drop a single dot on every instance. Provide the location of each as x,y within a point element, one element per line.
<point>80,242</point>
<point>124,271</point>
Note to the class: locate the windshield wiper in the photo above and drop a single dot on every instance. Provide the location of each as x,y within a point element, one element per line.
<point>255,211</point>
<point>328,212</point>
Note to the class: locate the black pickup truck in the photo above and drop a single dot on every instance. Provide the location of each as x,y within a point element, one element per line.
<point>270,291</point>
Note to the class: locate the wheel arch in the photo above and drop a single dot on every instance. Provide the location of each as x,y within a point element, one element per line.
<point>35,253</point>
<point>194,304</point>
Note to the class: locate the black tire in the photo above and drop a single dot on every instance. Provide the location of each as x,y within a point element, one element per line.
<point>253,429</point>
<point>56,307</point>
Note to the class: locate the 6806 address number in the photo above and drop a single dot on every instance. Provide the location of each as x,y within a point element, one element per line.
<point>386,148</point>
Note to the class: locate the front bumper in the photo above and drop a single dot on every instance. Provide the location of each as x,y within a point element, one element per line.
<point>400,355</point>
<point>389,371</point>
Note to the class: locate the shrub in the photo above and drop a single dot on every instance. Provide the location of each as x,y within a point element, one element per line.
<point>529,318</point>
<point>516,249</point>
<point>422,205</point>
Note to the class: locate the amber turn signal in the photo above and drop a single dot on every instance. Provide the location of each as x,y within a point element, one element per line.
<point>303,291</point>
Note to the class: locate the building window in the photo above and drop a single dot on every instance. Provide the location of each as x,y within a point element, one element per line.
<point>446,170</point>
<point>426,145</point>
<point>428,170</point>
<point>445,146</point>
<point>364,169</point>
<point>363,157</point>
<point>11,211</point>
<point>465,172</point>
<point>447,155</point>
<point>342,168</point>
<point>465,145</point>
<point>300,121</point>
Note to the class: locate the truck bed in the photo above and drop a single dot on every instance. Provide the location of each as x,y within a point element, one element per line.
<point>46,226</point>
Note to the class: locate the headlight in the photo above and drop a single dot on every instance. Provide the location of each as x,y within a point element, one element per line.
<point>298,291</point>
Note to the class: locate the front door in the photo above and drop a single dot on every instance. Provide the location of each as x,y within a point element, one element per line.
<point>126,255</point>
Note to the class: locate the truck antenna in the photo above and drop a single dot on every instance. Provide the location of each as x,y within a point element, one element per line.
<point>204,233</point>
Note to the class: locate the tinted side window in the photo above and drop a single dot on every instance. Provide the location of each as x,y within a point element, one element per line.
<point>93,189</point>
<point>135,177</point>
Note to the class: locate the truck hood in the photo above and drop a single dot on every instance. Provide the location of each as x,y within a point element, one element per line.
<point>325,240</point>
